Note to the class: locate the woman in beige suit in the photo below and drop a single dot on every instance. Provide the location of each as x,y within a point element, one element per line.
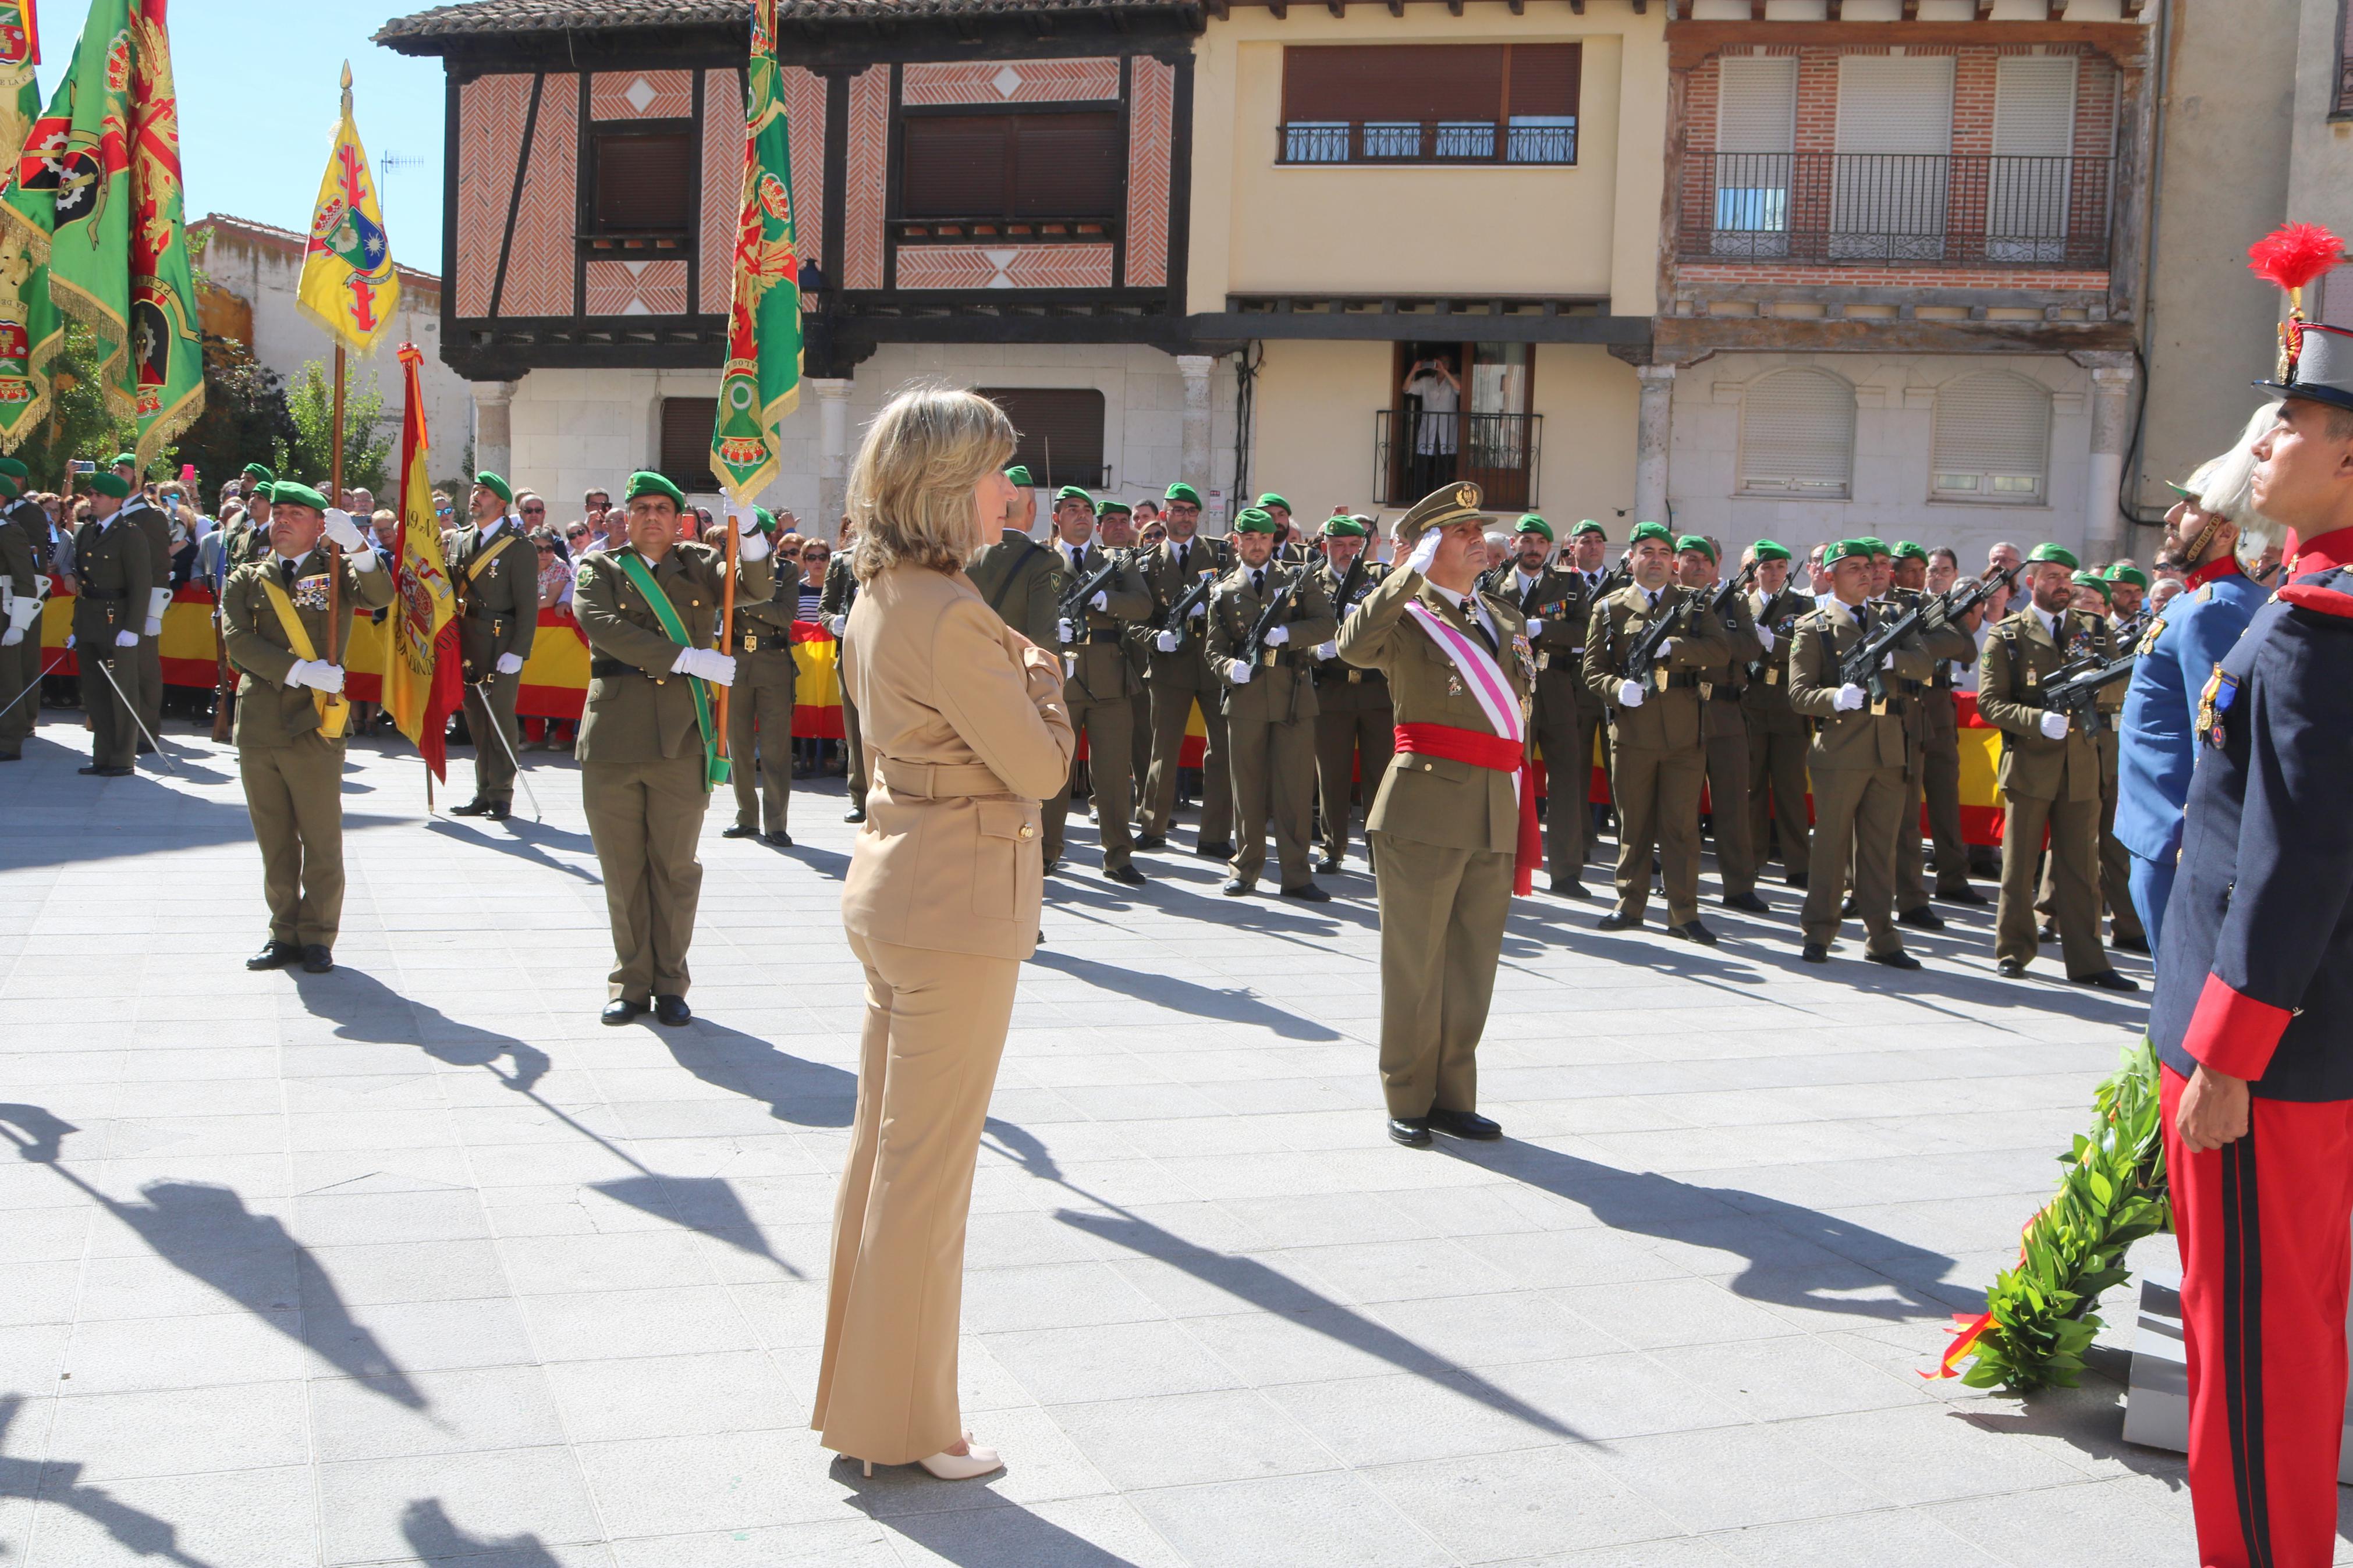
<point>964,733</point>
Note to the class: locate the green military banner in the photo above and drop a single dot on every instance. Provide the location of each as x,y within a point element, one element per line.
<point>27,315</point>
<point>763,379</point>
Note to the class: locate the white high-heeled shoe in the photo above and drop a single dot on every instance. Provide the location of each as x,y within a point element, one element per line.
<point>975,1461</point>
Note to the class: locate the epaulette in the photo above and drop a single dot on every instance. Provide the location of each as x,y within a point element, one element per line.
<point>2329,598</point>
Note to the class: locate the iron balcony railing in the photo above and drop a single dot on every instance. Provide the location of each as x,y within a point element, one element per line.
<point>1414,453</point>
<point>1898,208</point>
<point>1523,139</point>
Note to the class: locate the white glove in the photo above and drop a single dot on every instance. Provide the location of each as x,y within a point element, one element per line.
<point>11,638</point>
<point>1630,694</point>
<point>364,558</point>
<point>1201,610</point>
<point>1102,601</point>
<point>1277,635</point>
<point>1165,642</point>
<point>1328,650</point>
<point>1239,671</point>
<point>709,664</point>
<point>1067,630</point>
<point>344,532</point>
<point>2054,726</point>
<point>1887,662</point>
<point>1848,699</point>
<point>158,601</point>
<point>126,639</point>
<point>155,627</point>
<point>1425,551</point>
<point>746,524</point>
<point>1667,649</point>
<point>1535,627</point>
<point>317,674</point>
<point>838,624</point>
<point>1764,635</point>
<point>508,664</point>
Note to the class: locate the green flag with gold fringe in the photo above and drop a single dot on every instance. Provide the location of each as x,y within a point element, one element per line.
<point>97,197</point>
<point>763,379</point>
<point>27,315</point>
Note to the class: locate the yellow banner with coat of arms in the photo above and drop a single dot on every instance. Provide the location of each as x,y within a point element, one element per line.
<point>349,284</point>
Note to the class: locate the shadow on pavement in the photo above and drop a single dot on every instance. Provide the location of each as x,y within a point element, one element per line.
<point>1233,1005</point>
<point>53,1482</point>
<point>365,1008</point>
<point>965,1523</point>
<point>810,1094</point>
<point>434,1536</point>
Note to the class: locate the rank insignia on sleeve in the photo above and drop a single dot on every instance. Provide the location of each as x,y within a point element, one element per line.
<point>310,592</point>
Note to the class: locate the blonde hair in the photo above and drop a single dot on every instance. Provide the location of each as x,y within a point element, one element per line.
<point>911,489</point>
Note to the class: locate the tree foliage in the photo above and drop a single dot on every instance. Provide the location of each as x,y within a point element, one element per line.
<point>244,420</point>
<point>367,442</point>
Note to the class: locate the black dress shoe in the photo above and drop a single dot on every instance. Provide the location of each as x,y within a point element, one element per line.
<point>2130,944</point>
<point>1235,887</point>
<point>739,830</point>
<point>620,1010</point>
<point>1899,959</point>
<point>1924,917</point>
<point>1966,896</point>
<point>1413,1132</point>
<point>1748,901</point>
<point>1465,1124</point>
<point>274,954</point>
<point>2107,979</point>
<point>1850,908</point>
<point>1814,952</point>
<point>1328,867</point>
<point>477,806</point>
<point>1614,921</point>
<point>317,959</point>
<point>1794,879</point>
<point>1053,868</point>
<point>2012,970</point>
<point>2046,933</point>
<point>107,773</point>
<point>1126,877</point>
<point>855,813</point>
<point>1152,841</point>
<point>1570,887</point>
<point>780,838</point>
<point>1308,893</point>
<point>497,811</point>
<point>1692,931</point>
<point>1215,849</point>
<point>672,1010</point>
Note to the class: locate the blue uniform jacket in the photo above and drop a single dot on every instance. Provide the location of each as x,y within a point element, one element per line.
<point>2255,978</point>
<point>2189,638</point>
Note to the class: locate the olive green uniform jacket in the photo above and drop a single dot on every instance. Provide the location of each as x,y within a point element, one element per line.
<point>1281,685</point>
<point>1019,579</point>
<point>498,606</point>
<point>269,711</point>
<point>641,712</point>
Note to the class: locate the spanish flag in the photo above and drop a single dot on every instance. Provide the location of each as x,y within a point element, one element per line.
<point>349,284</point>
<point>421,679</point>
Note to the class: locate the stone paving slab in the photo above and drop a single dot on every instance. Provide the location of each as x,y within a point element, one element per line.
<point>417,1263</point>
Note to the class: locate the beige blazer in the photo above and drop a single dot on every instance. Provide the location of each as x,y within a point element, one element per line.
<point>965,733</point>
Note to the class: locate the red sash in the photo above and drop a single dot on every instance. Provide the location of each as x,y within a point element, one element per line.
<point>1481,750</point>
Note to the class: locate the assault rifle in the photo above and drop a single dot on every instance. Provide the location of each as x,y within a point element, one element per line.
<point>1862,665</point>
<point>2075,689</point>
<point>1180,613</point>
<point>1732,590</point>
<point>1074,607</point>
<point>1955,603</point>
<point>1644,653</point>
<point>1273,617</point>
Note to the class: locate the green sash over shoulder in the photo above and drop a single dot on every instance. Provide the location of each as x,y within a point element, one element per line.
<point>715,768</point>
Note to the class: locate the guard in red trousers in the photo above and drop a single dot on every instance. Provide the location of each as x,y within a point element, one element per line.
<point>2254,1013</point>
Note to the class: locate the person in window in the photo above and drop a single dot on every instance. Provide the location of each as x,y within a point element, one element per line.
<point>1433,429</point>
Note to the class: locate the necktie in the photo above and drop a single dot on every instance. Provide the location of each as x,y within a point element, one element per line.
<point>286,571</point>
<point>1184,554</point>
<point>1078,562</point>
<point>1257,582</point>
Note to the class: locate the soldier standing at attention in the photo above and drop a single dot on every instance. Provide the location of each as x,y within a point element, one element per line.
<point>1940,773</point>
<point>1657,747</point>
<point>22,587</point>
<point>761,716</point>
<point>648,757</point>
<point>249,536</point>
<point>1098,682</point>
<point>2050,773</point>
<point>1356,727</point>
<point>1857,761</point>
<point>1930,736</point>
<point>1453,828</point>
<point>495,573</point>
<point>838,592</point>
<point>1777,736</point>
<point>114,570</point>
<point>156,530</point>
<point>1181,677</point>
<point>1265,622</point>
<point>1725,731</point>
<point>1589,543</point>
<point>291,715</point>
<point>1115,526</point>
<point>1553,604</point>
<point>1016,573</point>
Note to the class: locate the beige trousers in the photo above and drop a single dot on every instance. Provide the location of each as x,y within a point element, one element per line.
<point>1658,806</point>
<point>1443,913</point>
<point>1855,815</point>
<point>936,1023</point>
<point>644,818</point>
<point>761,700</point>
<point>295,797</point>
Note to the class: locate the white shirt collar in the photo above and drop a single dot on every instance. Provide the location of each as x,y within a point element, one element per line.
<point>487,529</point>
<point>2050,621</point>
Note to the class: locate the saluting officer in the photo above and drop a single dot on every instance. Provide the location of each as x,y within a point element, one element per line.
<point>114,570</point>
<point>648,760</point>
<point>1778,734</point>
<point>1355,722</point>
<point>1098,680</point>
<point>1727,732</point>
<point>1657,746</point>
<point>2049,773</point>
<point>1857,761</point>
<point>760,711</point>
<point>1265,622</point>
<point>156,530</point>
<point>1925,731</point>
<point>1553,604</point>
<point>22,588</point>
<point>496,574</point>
<point>1181,677</point>
<point>290,712</point>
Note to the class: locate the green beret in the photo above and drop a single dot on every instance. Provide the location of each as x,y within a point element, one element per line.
<point>1657,530</point>
<point>1074,492</point>
<point>495,485</point>
<point>2132,574</point>
<point>1531,523</point>
<point>1254,520</point>
<point>644,482</point>
<point>124,461</point>
<point>1337,527</point>
<point>1765,550</point>
<point>111,483</point>
<point>1180,490</point>
<point>257,471</point>
<point>8,487</point>
<point>1588,526</point>
<point>1019,474</point>
<point>1110,507</point>
<point>1850,549</point>
<point>1908,550</point>
<point>287,492</point>
<point>1695,541</point>
<point>1878,545</point>
<point>14,469</point>
<point>2046,551</point>
<point>2093,580</point>
<point>764,518</point>
<point>260,493</point>
<point>1271,498</point>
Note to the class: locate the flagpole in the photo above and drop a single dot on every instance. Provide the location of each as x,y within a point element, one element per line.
<point>727,614</point>
<point>335,470</point>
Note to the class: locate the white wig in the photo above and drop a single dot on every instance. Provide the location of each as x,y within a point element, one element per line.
<point>2225,485</point>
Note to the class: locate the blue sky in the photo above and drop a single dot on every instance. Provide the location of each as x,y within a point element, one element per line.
<point>257,82</point>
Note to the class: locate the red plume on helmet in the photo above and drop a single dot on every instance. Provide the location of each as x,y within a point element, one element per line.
<point>2293,254</point>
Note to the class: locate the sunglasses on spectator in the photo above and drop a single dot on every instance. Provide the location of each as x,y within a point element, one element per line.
<point>544,548</point>
<point>534,510</point>
<point>575,531</point>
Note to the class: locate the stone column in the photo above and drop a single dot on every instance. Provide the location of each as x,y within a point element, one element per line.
<point>1653,430</point>
<point>832,450</point>
<point>2111,410</point>
<point>494,427</point>
<point>1194,462</point>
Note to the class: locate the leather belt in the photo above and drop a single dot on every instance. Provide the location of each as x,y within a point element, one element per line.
<point>1726,693</point>
<point>936,780</point>
<point>600,668</point>
<point>1688,679</point>
<point>1099,636</point>
<point>752,642</point>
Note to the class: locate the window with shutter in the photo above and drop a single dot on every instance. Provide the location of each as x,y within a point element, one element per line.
<point>1058,166</point>
<point>686,424</point>
<point>2028,182</point>
<point>1756,133</point>
<point>643,181</point>
<point>1061,432</point>
<point>1797,435</point>
<point>1895,132</point>
<point>1993,439</point>
<point>2343,109</point>
<point>1450,103</point>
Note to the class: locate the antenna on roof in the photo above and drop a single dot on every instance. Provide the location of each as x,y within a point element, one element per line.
<point>401,162</point>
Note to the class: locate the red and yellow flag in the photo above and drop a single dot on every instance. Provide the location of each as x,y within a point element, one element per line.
<point>421,679</point>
